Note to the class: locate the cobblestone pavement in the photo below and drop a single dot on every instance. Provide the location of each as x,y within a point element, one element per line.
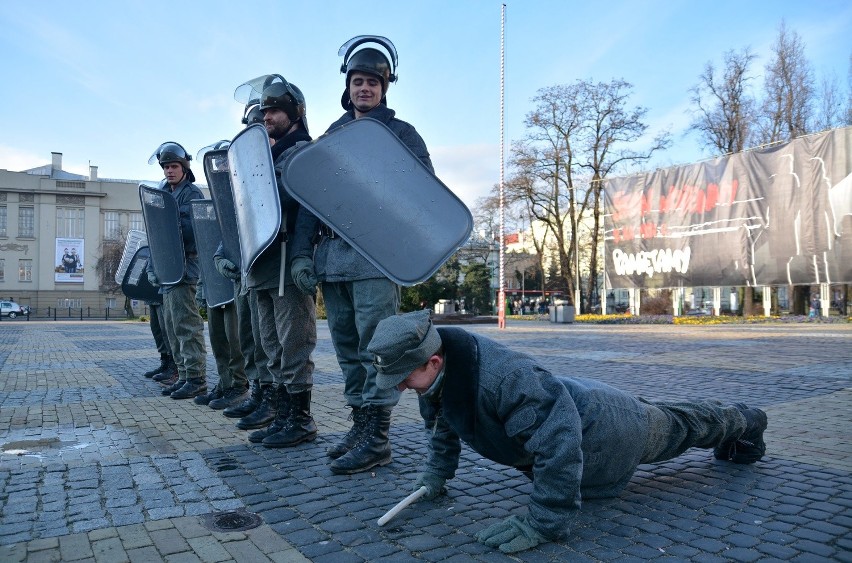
<point>95,465</point>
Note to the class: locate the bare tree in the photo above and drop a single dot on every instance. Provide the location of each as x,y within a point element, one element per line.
<point>725,108</point>
<point>829,110</point>
<point>576,135</point>
<point>847,120</point>
<point>725,113</point>
<point>610,128</point>
<point>787,110</point>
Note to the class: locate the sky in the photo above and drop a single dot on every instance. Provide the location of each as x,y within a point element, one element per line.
<point>105,82</point>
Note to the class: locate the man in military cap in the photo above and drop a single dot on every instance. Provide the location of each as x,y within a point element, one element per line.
<point>356,294</point>
<point>574,437</point>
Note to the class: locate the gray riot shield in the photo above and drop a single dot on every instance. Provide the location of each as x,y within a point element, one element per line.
<point>162,222</point>
<point>218,175</point>
<point>257,205</point>
<point>135,284</point>
<point>364,183</point>
<point>218,290</point>
<point>135,240</point>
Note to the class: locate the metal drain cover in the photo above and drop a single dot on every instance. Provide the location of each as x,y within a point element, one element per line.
<point>231,521</point>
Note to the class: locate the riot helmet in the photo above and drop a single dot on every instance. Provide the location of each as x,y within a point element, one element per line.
<point>217,146</point>
<point>171,151</point>
<point>252,113</point>
<point>273,91</point>
<point>372,54</point>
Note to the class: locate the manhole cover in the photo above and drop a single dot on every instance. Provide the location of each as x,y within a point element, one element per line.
<point>231,521</point>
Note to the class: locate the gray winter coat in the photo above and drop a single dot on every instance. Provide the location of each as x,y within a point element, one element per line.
<point>265,271</point>
<point>334,259</point>
<point>579,437</point>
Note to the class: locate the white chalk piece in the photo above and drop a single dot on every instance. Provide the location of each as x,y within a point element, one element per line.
<point>402,504</point>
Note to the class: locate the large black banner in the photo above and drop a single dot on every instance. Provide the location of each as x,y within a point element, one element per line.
<point>774,216</point>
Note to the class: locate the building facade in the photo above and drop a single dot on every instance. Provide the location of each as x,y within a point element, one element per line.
<point>54,229</point>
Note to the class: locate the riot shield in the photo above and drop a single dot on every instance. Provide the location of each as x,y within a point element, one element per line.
<point>364,183</point>
<point>257,205</point>
<point>162,222</point>
<point>218,290</point>
<point>135,284</point>
<point>135,240</point>
<point>218,175</point>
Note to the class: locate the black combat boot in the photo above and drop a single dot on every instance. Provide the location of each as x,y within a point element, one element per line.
<point>281,418</point>
<point>212,395</point>
<point>372,448</point>
<point>173,387</point>
<point>170,373</point>
<point>749,447</point>
<point>248,405</point>
<point>299,427</point>
<point>192,388</point>
<point>358,416</point>
<point>232,396</point>
<point>265,412</point>
<point>164,364</point>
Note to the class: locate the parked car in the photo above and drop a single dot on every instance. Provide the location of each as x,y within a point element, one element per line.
<point>10,309</point>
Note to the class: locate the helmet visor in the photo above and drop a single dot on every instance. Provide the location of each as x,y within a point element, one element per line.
<point>381,44</point>
<point>169,152</point>
<point>251,91</point>
<point>218,145</point>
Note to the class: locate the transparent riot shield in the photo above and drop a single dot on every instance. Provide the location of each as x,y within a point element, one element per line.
<point>257,205</point>
<point>162,222</point>
<point>218,290</point>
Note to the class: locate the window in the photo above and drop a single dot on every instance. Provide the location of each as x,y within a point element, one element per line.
<point>110,302</point>
<point>111,229</point>
<point>25,270</point>
<point>66,303</point>
<point>70,222</point>
<point>137,222</point>
<point>26,222</point>
<point>2,269</point>
<point>3,221</point>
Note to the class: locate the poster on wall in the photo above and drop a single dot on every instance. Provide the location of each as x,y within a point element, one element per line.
<point>68,265</point>
<point>781,215</point>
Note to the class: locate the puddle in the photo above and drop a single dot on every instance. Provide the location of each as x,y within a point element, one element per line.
<point>41,448</point>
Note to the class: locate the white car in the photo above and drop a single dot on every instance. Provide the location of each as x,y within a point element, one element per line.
<point>10,309</point>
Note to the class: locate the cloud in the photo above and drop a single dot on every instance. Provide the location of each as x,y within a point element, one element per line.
<point>16,160</point>
<point>470,171</point>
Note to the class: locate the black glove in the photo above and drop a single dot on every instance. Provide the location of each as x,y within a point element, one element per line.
<point>433,483</point>
<point>226,268</point>
<point>302,272</point>
<point>152,278</point>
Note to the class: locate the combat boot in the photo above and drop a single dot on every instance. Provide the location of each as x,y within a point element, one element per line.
<point>206,399</point>
<point>192,388</point>
<point>164,364</point>
<point>299,426</point>
<point>749,447</point>
<point>372,448</point>
<point>358,416</point>
<point>173,387</point>
<point>248,405</point>
<point>265,412</point>
<point>232,396</point>
<point>170,373</point>
<point>281,418</point>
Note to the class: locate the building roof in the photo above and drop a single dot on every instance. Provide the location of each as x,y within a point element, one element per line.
<point>49,170</point>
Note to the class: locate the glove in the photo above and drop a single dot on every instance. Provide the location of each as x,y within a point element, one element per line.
<point>433,483</point>
<point>152,278</point>
<point>302,272</point>
<point>511,535</point>
<point>226,268</point>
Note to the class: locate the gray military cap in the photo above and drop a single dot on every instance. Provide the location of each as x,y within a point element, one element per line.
<point>401,344</point>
